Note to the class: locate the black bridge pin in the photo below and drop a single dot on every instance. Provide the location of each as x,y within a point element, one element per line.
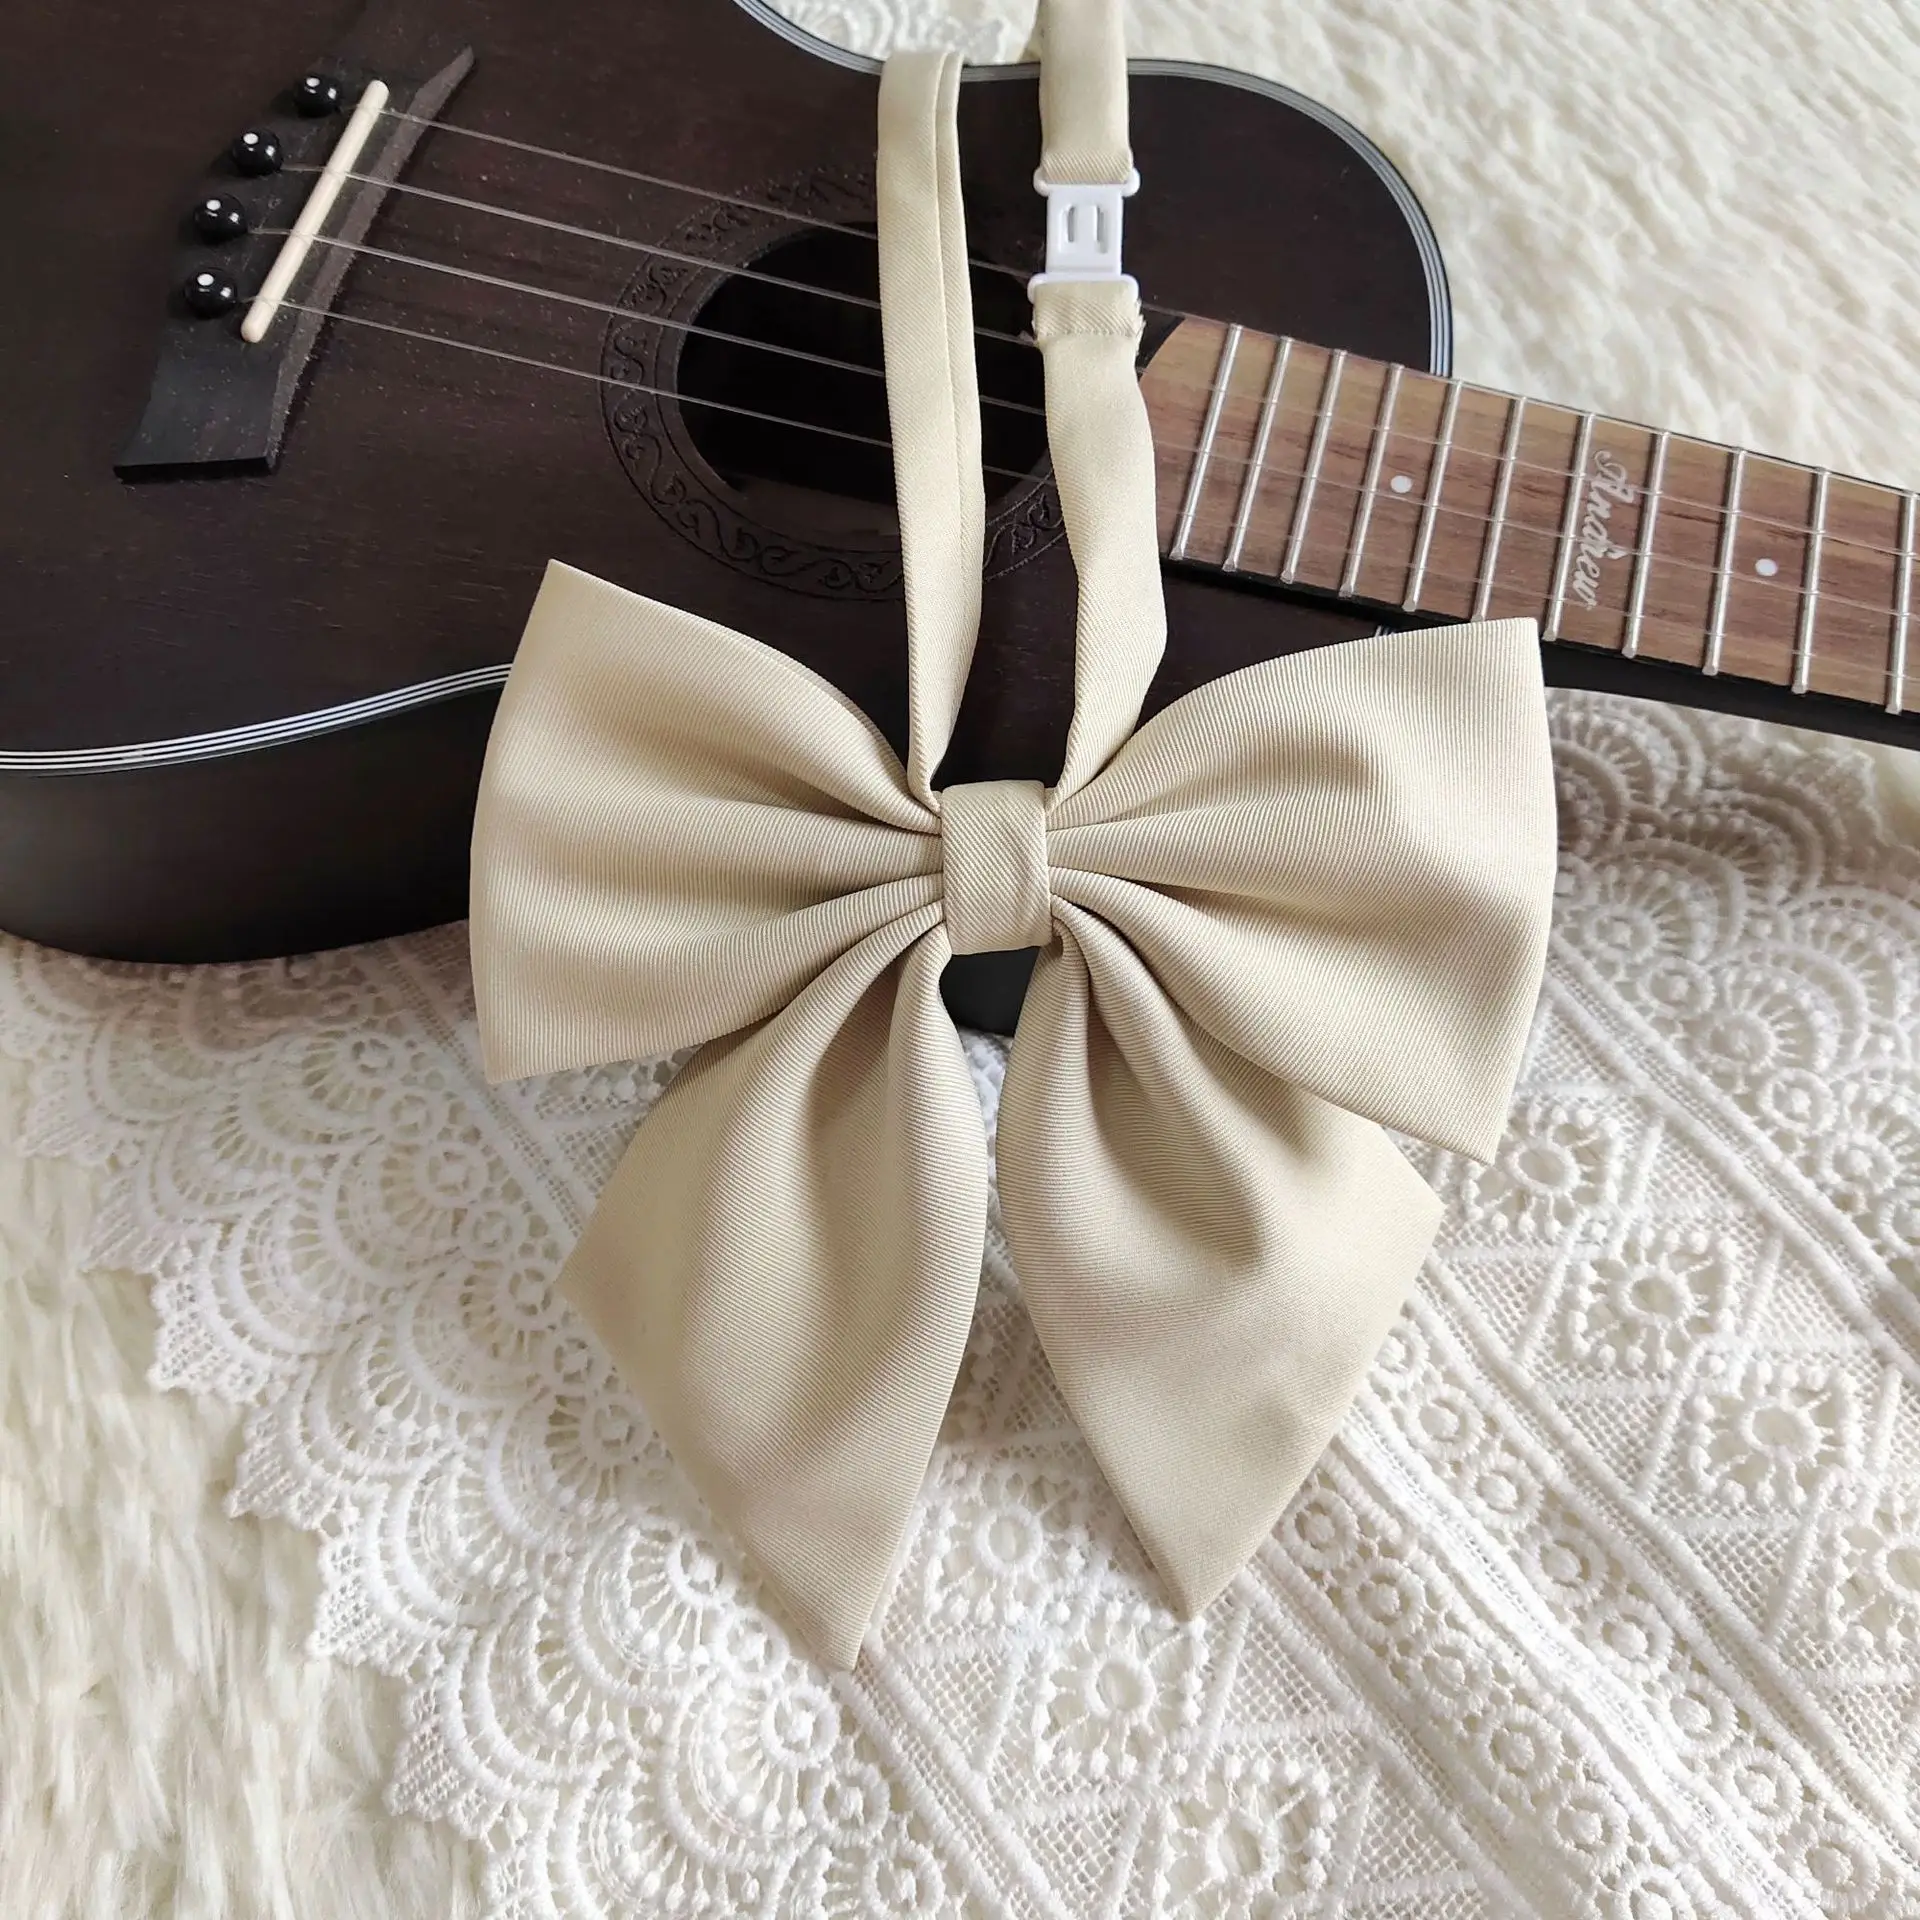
<point>210,292</point>
<point>219,217</point>
<point>318,95</point>
<point>256,152</point>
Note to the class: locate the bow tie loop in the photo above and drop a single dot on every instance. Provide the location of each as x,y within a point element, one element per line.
<point>998,892</point>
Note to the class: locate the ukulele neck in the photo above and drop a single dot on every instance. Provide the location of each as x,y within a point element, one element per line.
<point>1654,563</point>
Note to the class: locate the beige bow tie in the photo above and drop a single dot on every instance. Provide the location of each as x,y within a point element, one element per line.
<point>1301,903</point>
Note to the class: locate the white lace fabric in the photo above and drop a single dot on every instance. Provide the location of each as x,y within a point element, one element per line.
<point>1605,1600</point>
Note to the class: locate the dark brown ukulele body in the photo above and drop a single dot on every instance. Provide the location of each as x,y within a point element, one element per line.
<point>398,540</point>
<point>256,603</point>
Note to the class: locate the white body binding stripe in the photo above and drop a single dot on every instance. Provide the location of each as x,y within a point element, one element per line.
<point>184,749</point>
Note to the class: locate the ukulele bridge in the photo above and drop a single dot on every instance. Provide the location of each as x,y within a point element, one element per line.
<point>251,289</point>
<point>313,216</point>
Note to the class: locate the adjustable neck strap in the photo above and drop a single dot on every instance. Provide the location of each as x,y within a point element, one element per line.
<point>933,395</point>
<point>1087,169</point>
<point>1087,322</point>
<point>1083,94</point>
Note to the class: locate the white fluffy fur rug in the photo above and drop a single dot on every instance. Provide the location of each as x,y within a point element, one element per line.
<point>165,1745</point>
<point>1694,211</point>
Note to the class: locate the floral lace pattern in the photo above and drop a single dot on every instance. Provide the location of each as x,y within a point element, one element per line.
<point>1606,1598</point>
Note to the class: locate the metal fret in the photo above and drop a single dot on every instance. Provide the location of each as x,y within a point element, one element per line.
<point>1436,480</point>
<point>1903,609</point>
<point>1569,524</point>
<point>1723,566</point>
<point>1323,427</point>
<point>1257,463</point>
<point>1810,588</point>
<point>1202,459</point>
<point>1643,560</point>
<point>1496,524</point>
<point>1382,429</point>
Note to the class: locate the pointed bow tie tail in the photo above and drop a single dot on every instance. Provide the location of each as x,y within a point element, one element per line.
<point>785,1263</point>
<point>1301,902</point>
<point>1210,1256</point>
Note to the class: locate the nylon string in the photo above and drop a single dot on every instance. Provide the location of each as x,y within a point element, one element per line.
<point>1713,510</point>
<point>1649,622</point>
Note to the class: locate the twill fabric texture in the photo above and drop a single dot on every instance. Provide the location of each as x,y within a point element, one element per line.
<point>1301,904</point>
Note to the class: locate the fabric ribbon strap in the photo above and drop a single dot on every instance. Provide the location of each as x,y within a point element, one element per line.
<point>1301,903</point>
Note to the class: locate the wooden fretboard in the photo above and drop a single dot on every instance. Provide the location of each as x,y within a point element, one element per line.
<point>1408,492</point>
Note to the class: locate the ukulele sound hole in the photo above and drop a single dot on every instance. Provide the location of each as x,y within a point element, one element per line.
<point>824,446</point>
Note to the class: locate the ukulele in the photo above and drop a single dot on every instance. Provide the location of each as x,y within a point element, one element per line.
<point>340,327</point>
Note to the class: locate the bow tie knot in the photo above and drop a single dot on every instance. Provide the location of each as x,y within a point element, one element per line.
<point>993,837</point>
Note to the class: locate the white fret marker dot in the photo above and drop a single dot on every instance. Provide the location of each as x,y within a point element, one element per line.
<point>1401,483</point>
<point>1766,568</point>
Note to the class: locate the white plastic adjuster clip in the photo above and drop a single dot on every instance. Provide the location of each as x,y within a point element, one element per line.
<point>1083,231</point>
